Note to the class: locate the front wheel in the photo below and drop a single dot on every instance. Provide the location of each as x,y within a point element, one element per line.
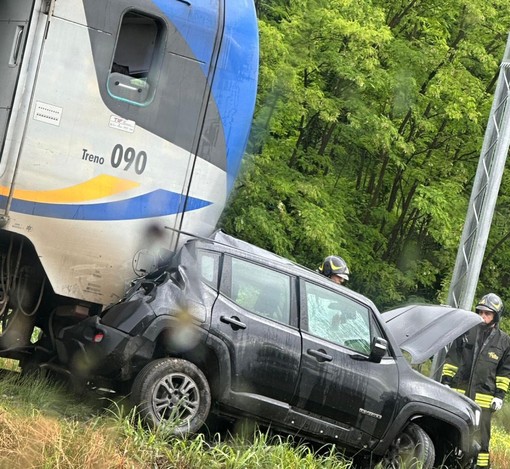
<point>412,449</point>
<point>173,391</point>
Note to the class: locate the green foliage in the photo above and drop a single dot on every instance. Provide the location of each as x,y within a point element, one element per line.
<point>502,417</point>
<point>260,451</point>
<point>292,214</point>
<point>368,128</point>
<point>500,448</point>
<point>505,324</point>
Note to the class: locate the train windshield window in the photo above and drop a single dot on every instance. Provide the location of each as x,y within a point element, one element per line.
<point>137,58</point>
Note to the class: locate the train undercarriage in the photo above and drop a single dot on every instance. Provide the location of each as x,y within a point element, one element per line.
<point>31,313</point>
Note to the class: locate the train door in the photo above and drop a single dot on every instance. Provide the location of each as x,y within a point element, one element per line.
<point>14,21</point>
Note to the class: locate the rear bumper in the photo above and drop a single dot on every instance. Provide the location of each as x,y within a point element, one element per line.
<point>91,348</point>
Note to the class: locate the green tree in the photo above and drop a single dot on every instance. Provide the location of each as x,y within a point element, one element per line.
<point>368,129</point>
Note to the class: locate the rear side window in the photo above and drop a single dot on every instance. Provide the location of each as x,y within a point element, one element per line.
<point>337,318</point>
<point>137,58</point>
<point>260,290</point>
<point>208,262</point>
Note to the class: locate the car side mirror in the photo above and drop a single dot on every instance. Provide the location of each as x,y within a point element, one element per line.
<point>378,350</point>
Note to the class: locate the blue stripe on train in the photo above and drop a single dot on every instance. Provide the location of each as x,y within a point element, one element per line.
<point>235,86</point>
<point>155,204</point>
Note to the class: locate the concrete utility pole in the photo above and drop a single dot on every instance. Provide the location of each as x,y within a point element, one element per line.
<point>483,200</point>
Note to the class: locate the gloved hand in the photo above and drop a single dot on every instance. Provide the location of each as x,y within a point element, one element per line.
<point>496,404</point>
<point>446,380</point>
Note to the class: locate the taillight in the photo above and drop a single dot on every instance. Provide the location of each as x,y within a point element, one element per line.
<point>98,337</point>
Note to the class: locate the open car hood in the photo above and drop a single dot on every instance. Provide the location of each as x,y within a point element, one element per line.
<point>423,330</point>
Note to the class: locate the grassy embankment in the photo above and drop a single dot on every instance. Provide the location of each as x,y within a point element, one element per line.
<point>43,426</point>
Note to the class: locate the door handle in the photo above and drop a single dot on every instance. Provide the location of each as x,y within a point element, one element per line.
<point>234,321</point>
<point>16,47</point>
<point>321,355</point>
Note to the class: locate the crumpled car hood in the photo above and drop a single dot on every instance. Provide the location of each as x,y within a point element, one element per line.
<point>423,330</point>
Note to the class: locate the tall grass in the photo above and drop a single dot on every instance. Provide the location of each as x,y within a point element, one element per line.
<point>500,437</point>
<point>42,425</point>
<point>500,448</point>
<point>257,450</point>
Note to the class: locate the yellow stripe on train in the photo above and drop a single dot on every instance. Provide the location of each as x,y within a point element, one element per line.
<point>95,188</point>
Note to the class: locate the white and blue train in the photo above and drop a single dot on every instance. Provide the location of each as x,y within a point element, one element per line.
<point>117,118</point>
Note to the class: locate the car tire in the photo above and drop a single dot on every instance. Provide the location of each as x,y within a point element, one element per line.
<point>412,449</point>
<point>172,391</point>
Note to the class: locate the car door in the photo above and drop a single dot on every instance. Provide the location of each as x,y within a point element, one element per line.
<point>337,381</point>
<point>255,316</point>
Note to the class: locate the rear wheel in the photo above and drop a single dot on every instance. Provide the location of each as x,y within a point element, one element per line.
<point>172,391</point>
<point>412,449</point>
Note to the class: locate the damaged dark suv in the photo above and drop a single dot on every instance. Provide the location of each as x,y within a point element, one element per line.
<point>231,330</point>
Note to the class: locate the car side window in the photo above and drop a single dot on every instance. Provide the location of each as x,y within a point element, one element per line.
<point>337,318</point>
<point>208,262</point>
<point>261,290</point>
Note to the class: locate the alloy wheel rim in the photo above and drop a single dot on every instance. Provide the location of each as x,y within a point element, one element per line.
<point>176,397</point>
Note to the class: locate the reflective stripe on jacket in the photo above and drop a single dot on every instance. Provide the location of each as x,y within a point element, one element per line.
<point>479,365</point>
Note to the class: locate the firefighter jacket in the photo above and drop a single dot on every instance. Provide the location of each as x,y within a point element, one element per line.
<point>478,365</point>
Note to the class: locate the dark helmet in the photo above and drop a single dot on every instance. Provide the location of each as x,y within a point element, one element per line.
<point>334,265</point>
<point>491,302</point>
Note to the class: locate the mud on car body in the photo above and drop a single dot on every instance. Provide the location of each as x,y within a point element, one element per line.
<point>231,330</point>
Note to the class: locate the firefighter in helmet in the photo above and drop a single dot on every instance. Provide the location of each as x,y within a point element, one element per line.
<point>335,268</point>
<point>478,365</point>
